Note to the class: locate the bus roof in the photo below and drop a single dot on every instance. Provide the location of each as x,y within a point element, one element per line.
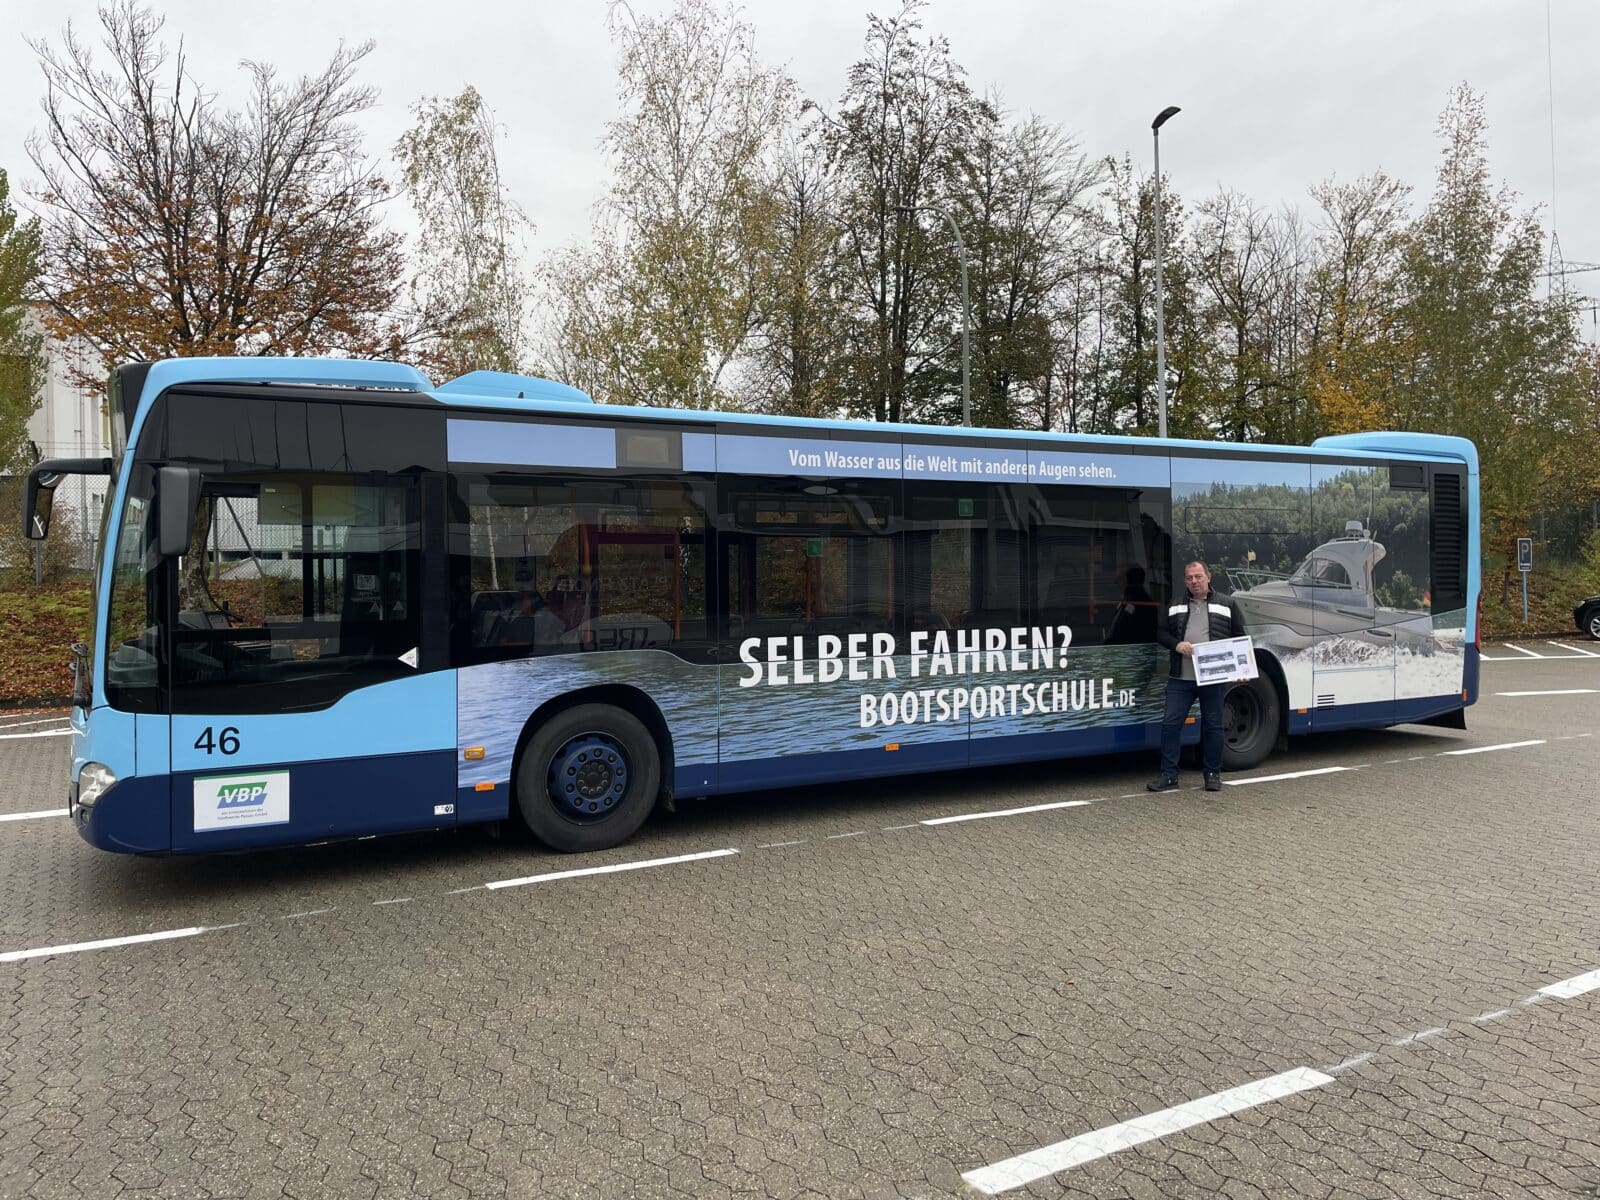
<point>495,390</point>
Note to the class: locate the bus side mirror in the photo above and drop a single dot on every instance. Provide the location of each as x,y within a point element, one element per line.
<point>178,498</point>
<point>37,496</point>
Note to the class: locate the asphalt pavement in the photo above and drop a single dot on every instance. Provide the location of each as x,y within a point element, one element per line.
<point>1370,968</point>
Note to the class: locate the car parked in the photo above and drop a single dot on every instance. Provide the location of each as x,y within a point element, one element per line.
<point>1587,616</point>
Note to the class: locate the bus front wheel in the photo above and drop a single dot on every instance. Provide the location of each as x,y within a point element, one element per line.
<point>1251,714</point>
<point>588,778</point>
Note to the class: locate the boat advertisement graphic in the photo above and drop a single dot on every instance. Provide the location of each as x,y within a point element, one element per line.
<point>1329,567</point>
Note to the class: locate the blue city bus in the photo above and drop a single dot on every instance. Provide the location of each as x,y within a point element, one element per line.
<point>335,600</point>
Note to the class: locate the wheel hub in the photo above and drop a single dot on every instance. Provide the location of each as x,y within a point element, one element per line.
<point>1240,717</point>
<point>588,776</point>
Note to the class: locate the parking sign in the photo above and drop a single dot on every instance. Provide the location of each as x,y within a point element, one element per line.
<point>1524,554</point>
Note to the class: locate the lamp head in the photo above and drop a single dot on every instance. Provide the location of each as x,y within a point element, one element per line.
<point>1164,115</point>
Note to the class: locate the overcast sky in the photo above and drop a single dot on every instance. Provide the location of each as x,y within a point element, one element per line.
<point>1276,94</point>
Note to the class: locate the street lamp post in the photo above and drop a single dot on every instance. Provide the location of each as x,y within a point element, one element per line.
<point>1165,114</point>
<point>966,317</point>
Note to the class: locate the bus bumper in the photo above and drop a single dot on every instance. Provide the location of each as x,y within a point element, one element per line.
<point>129,817</point>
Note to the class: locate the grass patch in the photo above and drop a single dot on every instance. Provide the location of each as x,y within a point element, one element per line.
<point>37,628</point>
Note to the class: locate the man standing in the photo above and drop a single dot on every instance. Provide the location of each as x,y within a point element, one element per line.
<point>1206,617</point>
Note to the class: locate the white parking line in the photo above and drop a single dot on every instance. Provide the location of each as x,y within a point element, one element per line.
<point>1520,650</point>
<point>854,833</point>
<point>608,870</point>
<point>1420,1036</point>
<point>1535,658</point>
<point>1576,986</point>
<point>40,721</point>
<point>33,816</point>
<point>1005,812</point>
<point>1554,692</point>
<point>1290,775</point>
<point>40,733</point>
<point>1501,746</point>
<point>1575,649</point>
<point>1025,1168</point>
<point>1353,1061</point>
<point>106,943</point>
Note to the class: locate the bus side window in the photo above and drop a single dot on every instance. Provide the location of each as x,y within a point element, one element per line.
<point>1089,566</point>
<point>963,552</point>
<point>554,566</point>
<point>804,559</point>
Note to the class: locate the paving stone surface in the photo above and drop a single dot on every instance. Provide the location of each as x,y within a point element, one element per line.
<point>845,1016</point>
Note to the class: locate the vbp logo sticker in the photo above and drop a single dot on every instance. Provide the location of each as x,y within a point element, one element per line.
<point>242,795</point>
<point>240,801</point>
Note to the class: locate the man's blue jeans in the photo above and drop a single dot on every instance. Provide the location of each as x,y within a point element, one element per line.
<point>1181,694</point>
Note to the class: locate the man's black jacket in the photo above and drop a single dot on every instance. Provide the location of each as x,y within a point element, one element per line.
<point>1224,619</point>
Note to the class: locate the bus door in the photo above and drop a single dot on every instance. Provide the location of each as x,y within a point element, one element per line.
<point>309,694</point>
<point>1353,660</point>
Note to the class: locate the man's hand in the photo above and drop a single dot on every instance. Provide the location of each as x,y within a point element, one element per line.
<point>1185,647</point>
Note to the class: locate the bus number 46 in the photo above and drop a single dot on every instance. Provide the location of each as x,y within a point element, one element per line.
<point>227,742</point>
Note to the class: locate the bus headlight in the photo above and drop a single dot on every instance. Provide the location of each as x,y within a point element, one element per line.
<point>93,780</point>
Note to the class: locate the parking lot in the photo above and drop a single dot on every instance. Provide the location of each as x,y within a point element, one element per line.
<point>1369,968</point>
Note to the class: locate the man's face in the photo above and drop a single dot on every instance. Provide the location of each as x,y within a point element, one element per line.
<point>1198,579</point>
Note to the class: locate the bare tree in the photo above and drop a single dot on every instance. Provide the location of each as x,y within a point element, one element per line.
<point>175,227</point>
<point>1250,265</point>
<point>905,114</point>
<point>1023,205</point>
<point>798,354</point>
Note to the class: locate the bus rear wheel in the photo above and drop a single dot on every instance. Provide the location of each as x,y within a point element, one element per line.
<point>1251,714</point>
<point>588,778</point>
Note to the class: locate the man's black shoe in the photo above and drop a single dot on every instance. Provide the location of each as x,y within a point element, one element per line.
<point>1213,781</point>
<point>1165,784</point>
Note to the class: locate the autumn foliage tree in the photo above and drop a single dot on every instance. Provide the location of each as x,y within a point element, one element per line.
<point>174,226</point>
<point>469,294</point>
<point>1358,349</point>
<point>667,300</point>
